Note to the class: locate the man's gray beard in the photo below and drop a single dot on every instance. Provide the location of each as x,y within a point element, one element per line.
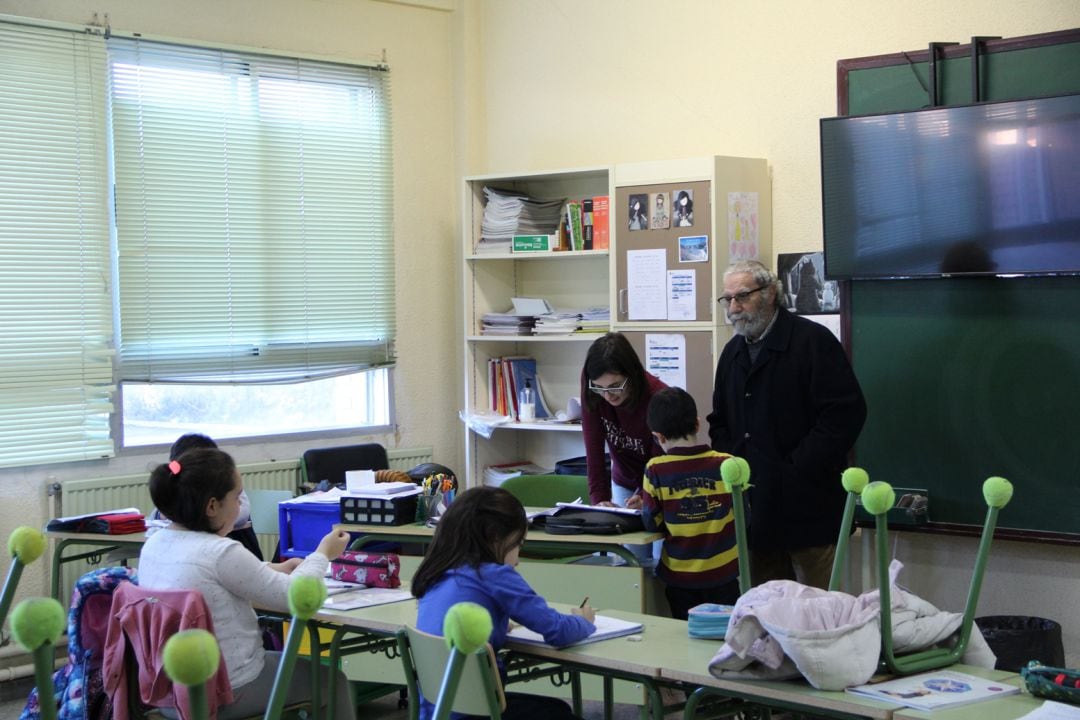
<point>751,327</point>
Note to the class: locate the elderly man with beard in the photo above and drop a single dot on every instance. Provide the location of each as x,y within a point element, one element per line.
<point>786,399</point>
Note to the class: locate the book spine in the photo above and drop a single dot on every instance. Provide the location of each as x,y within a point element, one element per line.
<point>587,223</point>
<point>573,221</point>
<point>601,223</point>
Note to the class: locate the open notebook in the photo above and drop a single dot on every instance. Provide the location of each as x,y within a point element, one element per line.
<point>606,628</point>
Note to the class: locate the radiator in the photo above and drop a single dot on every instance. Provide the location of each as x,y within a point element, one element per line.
<point>79,497</point>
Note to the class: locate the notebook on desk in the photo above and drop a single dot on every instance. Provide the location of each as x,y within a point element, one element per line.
<point>606,628</point>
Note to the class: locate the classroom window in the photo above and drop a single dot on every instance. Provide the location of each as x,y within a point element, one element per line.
<point>253,237</point>
<point>56,322</point>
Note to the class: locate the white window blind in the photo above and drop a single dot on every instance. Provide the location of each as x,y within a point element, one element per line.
<point>253,213</point>
<point>55,307</point>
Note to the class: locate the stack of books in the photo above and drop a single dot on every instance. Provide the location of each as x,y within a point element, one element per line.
<point>507,323</point>
<point>507,214</point>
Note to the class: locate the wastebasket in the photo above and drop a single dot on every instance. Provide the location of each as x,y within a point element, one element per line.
<point>1017,639</point>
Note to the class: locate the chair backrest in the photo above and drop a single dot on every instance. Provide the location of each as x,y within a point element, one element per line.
<point>330,464</point>
<point>264,509</point>
<point>425,656</point>
<point>546,490</point>
<point>141,621</point>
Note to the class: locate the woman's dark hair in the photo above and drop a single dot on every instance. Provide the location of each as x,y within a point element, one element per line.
<point>689,200</point>
<point>673,413</point>
<point>190,441</point>
<point>480,526</point>
<point>613,353</point>
<point>182,496</point>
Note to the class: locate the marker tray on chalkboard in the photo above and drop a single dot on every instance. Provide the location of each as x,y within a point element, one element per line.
<point>912,508</point>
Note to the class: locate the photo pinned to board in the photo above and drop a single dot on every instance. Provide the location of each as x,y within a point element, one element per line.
<point>682,211</point>
<point>637,211</point>
<point>694,248</point>
<point>806,291</point>
<point>659,211</point>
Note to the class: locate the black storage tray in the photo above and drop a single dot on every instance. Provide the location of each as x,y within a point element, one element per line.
<point>378,511</point>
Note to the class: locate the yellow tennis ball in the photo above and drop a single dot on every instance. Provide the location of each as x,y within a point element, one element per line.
<point>855,480</point>
<point>878,497</point>
<point>736,472</point>
<point>997,491</point>
<point>191,657</point>
<point>306,595</point>
<point>27,544</point>
<point>36,621</point>
<point>467,626</point>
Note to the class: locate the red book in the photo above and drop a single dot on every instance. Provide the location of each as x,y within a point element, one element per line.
<point>601,223</point>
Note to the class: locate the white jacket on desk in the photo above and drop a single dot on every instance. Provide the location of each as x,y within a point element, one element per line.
<point>782,629</point>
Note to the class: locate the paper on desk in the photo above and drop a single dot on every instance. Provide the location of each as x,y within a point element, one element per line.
<point>331,496</point>
<point>366,597</point>
<point>1051,710</point>
<point>606,628</point>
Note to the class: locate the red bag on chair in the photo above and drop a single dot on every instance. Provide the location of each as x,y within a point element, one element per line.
<point>379,570</point>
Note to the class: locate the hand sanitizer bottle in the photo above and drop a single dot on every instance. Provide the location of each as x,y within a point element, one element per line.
<point>526,404</point>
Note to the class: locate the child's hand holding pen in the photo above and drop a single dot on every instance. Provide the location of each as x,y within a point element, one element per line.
<point>585,610</point>
<point>634,502</point>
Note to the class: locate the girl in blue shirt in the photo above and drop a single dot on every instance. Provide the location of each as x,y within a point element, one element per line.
<point>471,559</point>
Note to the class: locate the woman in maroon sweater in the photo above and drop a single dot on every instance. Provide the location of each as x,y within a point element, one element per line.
<point>616,391</point>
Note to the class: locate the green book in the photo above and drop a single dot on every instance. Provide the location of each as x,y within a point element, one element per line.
<point>574,227</point>
<point>534,243</point>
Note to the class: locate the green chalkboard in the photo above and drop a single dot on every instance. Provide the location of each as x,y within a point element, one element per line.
<point>971,377</point>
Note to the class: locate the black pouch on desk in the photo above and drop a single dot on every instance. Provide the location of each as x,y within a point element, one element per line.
<point>591,522</point>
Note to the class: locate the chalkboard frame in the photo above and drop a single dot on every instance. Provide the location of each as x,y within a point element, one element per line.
<point>1012,68</point>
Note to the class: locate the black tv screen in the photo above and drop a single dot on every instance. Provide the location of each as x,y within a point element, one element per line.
<point>983,189</point>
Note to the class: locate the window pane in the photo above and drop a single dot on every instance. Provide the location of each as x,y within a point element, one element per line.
<point>157,413</point>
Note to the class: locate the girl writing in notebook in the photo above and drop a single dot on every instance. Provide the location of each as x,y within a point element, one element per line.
<point>200,492</point>
<point>471,559</point>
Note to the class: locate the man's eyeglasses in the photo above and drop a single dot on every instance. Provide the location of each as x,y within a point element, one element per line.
<point>740,297</point>
<point>612,390</point>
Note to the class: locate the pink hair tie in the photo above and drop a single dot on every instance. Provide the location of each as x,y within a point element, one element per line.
<point>174,467</point>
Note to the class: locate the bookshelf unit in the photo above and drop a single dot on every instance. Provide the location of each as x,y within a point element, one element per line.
<point>580,279</point>
<point>566,279</point>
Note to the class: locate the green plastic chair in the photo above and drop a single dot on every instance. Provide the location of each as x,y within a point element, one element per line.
<point>878,497</point>
<point>544,491</point>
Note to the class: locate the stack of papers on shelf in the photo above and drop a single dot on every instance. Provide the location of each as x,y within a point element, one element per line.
<point>507,323</point>
<point>496,474</point>
<point>595,320</point>
<point>507,214</point>
<point>557,323</point>
<point>931,690</point>
<point>386,488</point>
<point>606,628</point>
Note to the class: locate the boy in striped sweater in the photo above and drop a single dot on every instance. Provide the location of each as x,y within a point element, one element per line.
<point>684,498</point>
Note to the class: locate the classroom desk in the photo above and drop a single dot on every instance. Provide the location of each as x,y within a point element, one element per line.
<point>102,542</point>
<point>581,544</point>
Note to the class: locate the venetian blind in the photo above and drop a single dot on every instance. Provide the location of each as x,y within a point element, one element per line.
<point>55,307</point>
<point>253,214</point>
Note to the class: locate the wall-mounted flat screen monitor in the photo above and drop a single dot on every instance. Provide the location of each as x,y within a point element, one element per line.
<point>986,189</point>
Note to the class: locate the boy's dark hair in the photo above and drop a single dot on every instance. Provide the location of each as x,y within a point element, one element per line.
<point>481,525</point>
<point>673,413</point>
<point>182,496</point>
<point>190,441</point>
<point>613,353</point>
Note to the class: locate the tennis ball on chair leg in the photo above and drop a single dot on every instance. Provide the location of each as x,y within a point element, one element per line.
<point>997,491</point>
<point>27,544</point>
<point>191,657</point>
<point>855,480</point>
<point>467,626</point>
<point>878,497</point>
<point>37,621</point>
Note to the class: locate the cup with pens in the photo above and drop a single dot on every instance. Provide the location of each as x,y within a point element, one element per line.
<point>438,492</point>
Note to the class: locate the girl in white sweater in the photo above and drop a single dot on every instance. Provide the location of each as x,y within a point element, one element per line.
<point>200,492</point>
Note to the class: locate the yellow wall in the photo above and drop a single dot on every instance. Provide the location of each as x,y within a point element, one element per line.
<point>513,85</point>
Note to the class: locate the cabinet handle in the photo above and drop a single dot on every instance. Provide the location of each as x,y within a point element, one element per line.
<point>622,305</point>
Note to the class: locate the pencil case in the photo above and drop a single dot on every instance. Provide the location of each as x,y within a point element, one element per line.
<point>379,570</point>
<point>1051,682</point>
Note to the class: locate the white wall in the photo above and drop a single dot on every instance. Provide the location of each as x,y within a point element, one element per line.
<point>417,42</point>
<point>567,83</point>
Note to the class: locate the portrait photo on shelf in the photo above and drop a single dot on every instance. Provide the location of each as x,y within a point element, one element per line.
<point>638,211</point>
<point>694,248</point>
<point>806,291</point>
<point>682,211</point>
<point>659,211</point>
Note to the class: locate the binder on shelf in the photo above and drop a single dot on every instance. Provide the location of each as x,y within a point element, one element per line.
<point>573,225</point>
<point>523,369</point>
<point>587,223</point>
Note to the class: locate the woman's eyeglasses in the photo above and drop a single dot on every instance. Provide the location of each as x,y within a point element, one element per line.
<point>740,297</point>
<point>611,390</point>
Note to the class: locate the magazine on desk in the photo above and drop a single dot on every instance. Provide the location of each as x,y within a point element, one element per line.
<point>606,628</point>
<point>936,689</point>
